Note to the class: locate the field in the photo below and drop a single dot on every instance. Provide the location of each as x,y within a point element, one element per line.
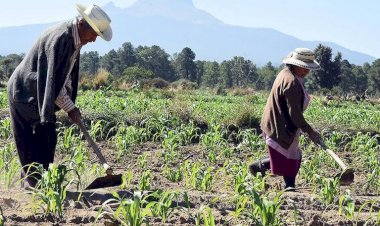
<point>184,158</point>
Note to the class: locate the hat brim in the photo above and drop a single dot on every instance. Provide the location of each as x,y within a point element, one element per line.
<point>311,65</point>
<point>106,35</point>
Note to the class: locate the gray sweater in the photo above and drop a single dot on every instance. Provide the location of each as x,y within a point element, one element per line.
<point>39,78</point>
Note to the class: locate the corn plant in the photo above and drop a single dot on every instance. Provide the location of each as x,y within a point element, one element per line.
<point>52,187</point>
<point>328,189</point>
<point>126,179</point>
<point>2,218</point>
<point>142,161</point>
<point>170,144</point>
<point>251,140</point>
<point>240,202</point>
<point>369,203</point>
<point>347,205</point>
<point>96,131</point>
<point>263,211</point>
<point>162,207</point>
<point>244,181</point>
<point>144,183</point>
<point>69,139</point>
<point>204,213</point>
<point>5,128</point>
<point>127,137</point>
<point>200,177</point>
<point>11,169</point>
<point>188,133</point>
<point>212,141</point>
<point>173,174</point>
<point>130,212</point>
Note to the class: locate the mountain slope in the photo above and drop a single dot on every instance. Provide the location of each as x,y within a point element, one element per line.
<point>175,24</point>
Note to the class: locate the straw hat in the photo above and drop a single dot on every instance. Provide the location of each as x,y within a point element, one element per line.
<point>302,57</point>
<point>97,19</point>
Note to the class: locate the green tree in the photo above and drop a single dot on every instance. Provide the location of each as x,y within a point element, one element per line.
<point>328,76</point>
<point>111,62</point>
<point>127,55</point>
<point>361,79</point>
<point>244,72</point>
<point>156,60</point>
<point>352,78</point>
<point>374,77</point>
<point>134,73</point>
<point>266,77</point>
<point>185,64</point>
<point>89,62</point>
<point>200,71</point>
<point>211,74</point>
<point>226,74</point>
<point>9,63</point>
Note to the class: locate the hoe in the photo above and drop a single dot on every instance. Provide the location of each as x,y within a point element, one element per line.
<point>346,177</point>
<point>110,179</point>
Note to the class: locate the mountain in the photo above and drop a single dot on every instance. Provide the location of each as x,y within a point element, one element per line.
<point>175,24</point>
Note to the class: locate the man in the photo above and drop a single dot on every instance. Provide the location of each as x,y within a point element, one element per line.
<point>47,81</point>
<point>283,119</point>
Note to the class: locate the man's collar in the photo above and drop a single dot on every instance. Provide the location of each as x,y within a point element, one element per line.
<point>75,33</point>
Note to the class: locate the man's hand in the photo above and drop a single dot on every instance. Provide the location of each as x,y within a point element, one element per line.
<point>75,115</point>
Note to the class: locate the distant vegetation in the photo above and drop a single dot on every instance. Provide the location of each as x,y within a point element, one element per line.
<point>127,65</point>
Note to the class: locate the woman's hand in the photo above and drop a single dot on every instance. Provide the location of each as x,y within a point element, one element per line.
<point>317,138</point>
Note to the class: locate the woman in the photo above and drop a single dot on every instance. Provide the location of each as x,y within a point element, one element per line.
<point>283,118</point>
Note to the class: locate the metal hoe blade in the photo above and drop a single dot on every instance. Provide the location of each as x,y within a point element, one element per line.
<point>106,181</point>
<point>346,177</point>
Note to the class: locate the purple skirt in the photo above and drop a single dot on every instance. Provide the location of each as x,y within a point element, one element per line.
<point>282,166</point>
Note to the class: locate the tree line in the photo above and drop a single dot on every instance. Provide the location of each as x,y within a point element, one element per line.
<point>337,76</point>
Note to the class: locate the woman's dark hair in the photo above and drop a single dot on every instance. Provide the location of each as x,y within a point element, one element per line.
<point>290,67</point>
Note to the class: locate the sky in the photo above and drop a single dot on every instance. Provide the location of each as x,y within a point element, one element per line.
<point>351,23</point>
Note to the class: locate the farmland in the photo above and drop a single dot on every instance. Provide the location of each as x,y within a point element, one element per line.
<point>184,158</point>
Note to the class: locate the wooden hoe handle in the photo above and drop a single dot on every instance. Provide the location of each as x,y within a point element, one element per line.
<point>336,158</point>
<point>93,145</point>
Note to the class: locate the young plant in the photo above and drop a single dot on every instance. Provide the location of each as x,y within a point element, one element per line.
<point>69,139</point>
<point>200,177</point>
<point>263,211</point>
<point>328,189</point>
<point>170,144</point>
<point>52,187</point>
<point>205,213</point>
<point>5,128</point>
<point>11,169</point>
<point>142,161</point>
<point>144,183</point>
<point>2,218</point>
<point>129,211</point>
<point>240,205</point>
<point>162,207</point>
<point>126,179</point>
<point>173,174</point>
<point>347,205</point>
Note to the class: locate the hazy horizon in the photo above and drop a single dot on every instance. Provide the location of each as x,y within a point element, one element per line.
<point>352,24</point>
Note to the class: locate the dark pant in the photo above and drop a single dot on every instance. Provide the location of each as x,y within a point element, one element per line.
<point>35,142</point>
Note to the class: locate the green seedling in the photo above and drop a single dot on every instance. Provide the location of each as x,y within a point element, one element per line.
<point>347,205</point>
<point>204,213</point>
<point>130,212</point>
<point>51,188</point>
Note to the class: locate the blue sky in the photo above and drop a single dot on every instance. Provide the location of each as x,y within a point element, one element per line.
<point>351,23</point>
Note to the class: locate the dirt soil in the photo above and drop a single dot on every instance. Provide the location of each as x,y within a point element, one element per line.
<point>17,209</point>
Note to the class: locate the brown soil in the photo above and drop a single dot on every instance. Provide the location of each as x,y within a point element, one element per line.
<point>18,209</point>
